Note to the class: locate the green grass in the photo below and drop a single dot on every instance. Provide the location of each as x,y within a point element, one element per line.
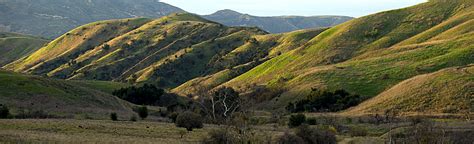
<point>72,43</point>
<point>183,52</point>
<point>368,55</point>
<point>104,86</point>
<point>445,91</point>
<point>59,97</point>
<point>140,50</point>
<point>242,58</point>
<point>15,46</point>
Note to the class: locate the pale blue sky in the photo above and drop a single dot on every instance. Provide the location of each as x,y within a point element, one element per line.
<point>355,8</point>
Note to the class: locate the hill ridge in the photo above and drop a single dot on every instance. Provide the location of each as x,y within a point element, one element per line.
<point>275,24</point>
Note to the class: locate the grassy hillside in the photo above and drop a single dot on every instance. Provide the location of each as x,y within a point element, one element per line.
<point>246,57</point>
<point>445,91</point>
<point>24,93</point>
<point>370,54</point>
<point>187,53</point>
<point>277,24</point>
<point>166,51</point>
<point>74,43</point>
<point>14,46</point>
<point>52,18</point>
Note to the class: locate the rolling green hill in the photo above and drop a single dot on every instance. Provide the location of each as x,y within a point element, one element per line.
<point>371,54</point>
<point>448,90</point>
<point>15,46</point>
<point>80,99</point>
<point>166,51</point>
<point>276,24</point>
<point>189,54</point>
<point>253,54</point>
<point>80,39</point>
<point>51,18</point>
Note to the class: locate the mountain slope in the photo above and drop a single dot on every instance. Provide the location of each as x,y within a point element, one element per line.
<point>189,54</point>
<point>76,42</point>
<point>15,46</point>
<point>370,54</point>
<point>448,90</point>
<point>51,18</point>
<point>166,51</point>
<point>278,24</point>
<point>246,57</point>
<point>59,97</point>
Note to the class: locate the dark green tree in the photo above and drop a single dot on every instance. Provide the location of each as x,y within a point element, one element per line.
<point>189,120</point>
<point>325,101</point>
<point>142,112</point>
<point>146,95</point>
<point>4,111</point>
<point>296,120</point>
<point>113,116</point>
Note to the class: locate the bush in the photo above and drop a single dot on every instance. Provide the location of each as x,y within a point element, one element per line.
<point>4,111</point>
<point>323,101</point>
<point>427,132</point>
<point>189,120</point>
<point>234,135</point>
<point>312,121</point>
<point>37,114</point>
<point>296,120</point>
<point>358,131</point>
<point>145,95</point>
<point>220,136</point>
<point>113,116</point>
<point>142,112</point>
<point>106,47</point>
<point>316,135</point>
<point>173,116</point>
<point>133,118</point>
<point>290,139</point>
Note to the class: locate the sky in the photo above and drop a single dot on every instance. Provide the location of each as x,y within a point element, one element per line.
<point>354,8</point>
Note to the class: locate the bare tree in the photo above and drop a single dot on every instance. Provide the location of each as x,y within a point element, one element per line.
<point>219,104</point>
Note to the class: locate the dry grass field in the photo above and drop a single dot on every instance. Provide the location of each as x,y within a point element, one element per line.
<point>95,131</point>
<point>106,131</point>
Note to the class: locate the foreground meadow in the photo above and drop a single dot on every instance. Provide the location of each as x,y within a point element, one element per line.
<point>95,131</point>
<point>106,131</point>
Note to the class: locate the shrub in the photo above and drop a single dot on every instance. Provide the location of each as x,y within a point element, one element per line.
<point>173,116</point>
<point>142,112</point>
<point>358,131</point>
<point>288,138</point>
<point>219,136</point>
<point>427,132</point>
<point>189,120</point>
<point>182,133</point>
<point>113,116</point>
<point>145,95</point>
<point>323,101</point>
<point>233,135</point>
<point>316,135</point>
<point>37,114</point>
<point>4,111</point>
<point>312,121</point>
<point>133,118</point>
<point>296,120</point>
<point>106,47</point>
